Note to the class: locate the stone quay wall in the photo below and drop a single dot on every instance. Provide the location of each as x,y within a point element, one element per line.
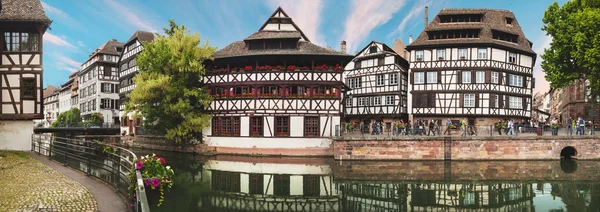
<point>452,148</point>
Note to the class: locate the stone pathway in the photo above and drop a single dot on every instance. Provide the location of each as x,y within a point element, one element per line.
<point>26,184</point>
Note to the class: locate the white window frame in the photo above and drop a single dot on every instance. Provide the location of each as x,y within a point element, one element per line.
<point>480,77</point>
<point>361,101</point>
<point>495,77</point>
<point>377,100</point>
<point>512,57</point>
<point>463,53</point>
<point>515,80</point>
<point>419,78</point>
<point>466,75</point>
<point>515,102</point>
<point>432,77</point>
<point>441,52</point>
<point>389,100</point>
<point>419,55</point>
<point>393,79</point>
<point>482,53</point>
<point>469,100</point>
<point>380,79</point>
<point>349,102</point>
<point>497,101</point>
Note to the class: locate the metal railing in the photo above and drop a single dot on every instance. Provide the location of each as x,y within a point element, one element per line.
<point>113,167</point>
<point>469,131</point>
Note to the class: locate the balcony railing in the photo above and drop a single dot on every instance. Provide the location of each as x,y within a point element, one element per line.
<point>267,68</point>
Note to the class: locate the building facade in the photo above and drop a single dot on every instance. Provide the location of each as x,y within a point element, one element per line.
<point>22,26</point>
<point>577,102</point>
<point>66,94</point>
<point>99,83</point>
<point>51,107</point>
<point>377,79</point>
<point>275,90</point>
<point>127,70</point>
<point>473,64</point>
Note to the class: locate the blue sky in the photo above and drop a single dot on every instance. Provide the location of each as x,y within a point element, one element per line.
<point>81,26</point>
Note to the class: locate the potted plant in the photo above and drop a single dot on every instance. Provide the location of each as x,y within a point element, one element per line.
<point>292,68</point>
<point>156,175</point>
<point>304,68</point>
<point>248,68</point>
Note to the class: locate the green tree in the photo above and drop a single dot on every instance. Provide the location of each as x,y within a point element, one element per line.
<point>69,118</point>
<point>168,92</point>
<point>574,53</point>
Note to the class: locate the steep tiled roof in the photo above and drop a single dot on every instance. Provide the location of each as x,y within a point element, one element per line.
<point>274,34</point>
<point>49,90</point>
<point>238,48</point>
<point>23,10</point>
<point>142,36</point>
<point>491,20</point>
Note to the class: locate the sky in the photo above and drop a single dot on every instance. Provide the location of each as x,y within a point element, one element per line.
<point>80,26</point>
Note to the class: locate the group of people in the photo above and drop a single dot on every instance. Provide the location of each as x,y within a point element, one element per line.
<point>576,125</point>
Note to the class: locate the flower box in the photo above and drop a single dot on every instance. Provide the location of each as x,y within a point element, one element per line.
<point>282,134</point>
<point>462,58</point>
<point>156,175</point>
<point>419,59</point>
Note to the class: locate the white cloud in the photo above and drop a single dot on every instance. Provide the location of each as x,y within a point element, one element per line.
<point>365,16</point>
<point>306,14</point>
<point>80,43</point>
<point>130,17</point>
<point>65,63</point>
<point>415,11</point>
<point>56,40</point>
<point>54,10</point>
<point>541,85</point>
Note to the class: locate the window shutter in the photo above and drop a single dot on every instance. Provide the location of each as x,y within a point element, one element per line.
<point>524,103</point>
<point>415,101</point>
<point>524,82</point>
<point>459,77</point>
<point>412,78</point>
<point>488,77</point>
<point>462,100</point>
<point>476,100</point>
<point>473,77</point>
<point>439,78</point>
<point>500,101</point>
<point>532,82</point>
<point>432,100</point>
<point>425,77</point>
<point>506,102</point>
<point>424,102</point>
<point>506,79</point>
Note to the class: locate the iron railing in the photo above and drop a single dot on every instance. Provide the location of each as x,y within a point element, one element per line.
<point>113,167</point>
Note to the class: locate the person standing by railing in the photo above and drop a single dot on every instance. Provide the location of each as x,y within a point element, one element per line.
<point>510,127</point>
<point>431,128</point>
<point>580,126</point>
<point>448,123</point>
<point>463,127</point>
<point>569,126</point>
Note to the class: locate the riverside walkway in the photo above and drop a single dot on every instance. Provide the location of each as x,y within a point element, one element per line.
<point>34,183</point>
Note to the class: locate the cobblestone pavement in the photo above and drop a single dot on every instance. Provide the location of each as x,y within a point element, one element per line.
<point>28,185</point>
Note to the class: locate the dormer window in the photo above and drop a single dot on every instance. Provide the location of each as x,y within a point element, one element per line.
<point>504,36</point>
<point>460,18</point>
<point>453,34</point>
<point>373,50</point>
<point>509,21</point>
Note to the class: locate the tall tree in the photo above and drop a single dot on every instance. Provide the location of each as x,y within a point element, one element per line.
<point>168,92</point>
<point>574,53</point>
<point>70,118</point>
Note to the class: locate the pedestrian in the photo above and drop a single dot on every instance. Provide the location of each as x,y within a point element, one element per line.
<point>431,127</point>
<point>573,126</point>
<point>569,128</point>
<point>511,127</point>
<point>581,126</point>
<point>499,126</point>
<point>463,127</point>
<point>554,126</point>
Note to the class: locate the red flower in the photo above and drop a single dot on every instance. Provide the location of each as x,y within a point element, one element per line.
<point>162,161</point>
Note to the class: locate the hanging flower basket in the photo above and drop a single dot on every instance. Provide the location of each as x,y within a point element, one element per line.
<point>157,177</point>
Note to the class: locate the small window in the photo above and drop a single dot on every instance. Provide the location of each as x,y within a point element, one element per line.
<point>495,77</point>
<point>419,77</point>
<point>393,79</point>
<point>281,185</point>
<point>357,64</point>
<point>381,61</point>
<point>311,126</point>
<point>441,54</point>
<point>256,126</point>
<point>481,53</point>
<point>419,55</point>
<point>469,100</point>
<point>311,185</point>
<point>463,54</point>
<point>380,80</point>
<point>480,77</point>
<point>466,77</point>
<point>282,126</point>
<point>515,102</point>
<point>509,21</point>
<point>515,80</point>
<point>377,100</point>
<point>349,102</point>
<point>512,58</point>
<point>389,100</point>
<point>432,77</point>
<point>373,49</point>
<point>256,183</point>
<point>361,101</point>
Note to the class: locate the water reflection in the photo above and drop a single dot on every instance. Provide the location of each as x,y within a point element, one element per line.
<point>227,183</point>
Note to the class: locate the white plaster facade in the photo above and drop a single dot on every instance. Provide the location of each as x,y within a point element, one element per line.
<point>16,135</point>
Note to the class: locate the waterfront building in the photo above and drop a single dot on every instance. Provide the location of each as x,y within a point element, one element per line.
<point>377,78</point>
<point>42,122</point>
<point>541,107</point>
<point>99,83</point>
<point>51,106</point>
<point>275,91</point>
<point>473,64</point>
<point>67,95</point>
<point>127,70</point>
<point>22,25</point>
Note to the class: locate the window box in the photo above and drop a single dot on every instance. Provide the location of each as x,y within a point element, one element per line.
<point>255,134</point>
<point>282,134</point>
<point>440,58</point>
<point>419,59</point>
<point>463,58</point>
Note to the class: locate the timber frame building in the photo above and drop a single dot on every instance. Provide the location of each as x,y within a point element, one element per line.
<point>127,70</point>
<point>378,81</point>
<point>472,63</point>
<point>22,25</point>
<point>275,90</point>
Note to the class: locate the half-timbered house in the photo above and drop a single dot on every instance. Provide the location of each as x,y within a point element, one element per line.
<point>22,25</point>
<point>99,83</point>
<point>275,89</point>
<point>378,80</point>
<point>474,64</point>
<point>127,70</point>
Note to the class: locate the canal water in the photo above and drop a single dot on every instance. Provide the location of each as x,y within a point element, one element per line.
<point>233,183</point>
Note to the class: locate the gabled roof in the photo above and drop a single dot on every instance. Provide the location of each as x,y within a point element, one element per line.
<point>48,91</point>
<point>23,10</point>
<point>265,34</point>
<point>277,17</point>
<point>382,49</point>
<point>491,20</point>
<point>238,48</point>
<point>141,36</point>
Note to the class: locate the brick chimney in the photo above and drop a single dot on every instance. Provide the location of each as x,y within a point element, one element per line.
<point>426,16</point>
<point>343,46</point>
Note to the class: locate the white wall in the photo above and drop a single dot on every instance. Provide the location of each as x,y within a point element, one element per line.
<point>268,168</point>
<point>16,135</point>
<point>266,142</point>
<point>296,126</point>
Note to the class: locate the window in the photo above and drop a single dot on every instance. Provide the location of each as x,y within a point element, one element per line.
<point>349,102</point>
<point>480,77</point>
<point>460,18</point>
<point>509,21</point>
<point>373,49</point>
<point>466,77</point>
<point>481,54</point>
<point>469,100</point>
<point>377,100</point>
<point>281,185</point>
<point>256,183</point>
<point>495,77</point>
<point>21,41</point>
<point>512,57</point>
<point>225,126</point>
<point>503,36</point>
<point>225,181</point>
<point>28,88</point>
<point>389,100</point>
<point>515,80</point>
<point>515,102</point>
<point>381,61</point>
<point>432,77</point>
<point>393,79</point>
<point>282,126</point>
<point>419,55</point>
<point>298,91</point>
<point>496,102</point>
<point>270,91</point>
<point>361,101</point>
<point>419,77</point>
<point>256,126</point>
<point>380,80</point>
<point>311,185</point>
<point>441,54</point>
<point>355,82</point>
<point>357,64</point>
<point>453,34</point>
<point>311,126</point>
<point>462,54</point>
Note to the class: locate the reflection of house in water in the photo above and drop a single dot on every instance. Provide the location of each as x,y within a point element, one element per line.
<point>247,186</point>
<point>578,197</point>
<point>373,196</point>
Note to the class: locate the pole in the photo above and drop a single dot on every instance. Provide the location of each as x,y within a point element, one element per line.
<point>66,153</point>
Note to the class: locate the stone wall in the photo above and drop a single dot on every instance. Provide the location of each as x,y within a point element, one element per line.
<point>497,148</point>
<point>16,135</point>
<point>160,143</point>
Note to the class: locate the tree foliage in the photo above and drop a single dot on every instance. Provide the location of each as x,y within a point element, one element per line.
<point>70,118</point>
<point>168,92</point>
<point>574,53</point>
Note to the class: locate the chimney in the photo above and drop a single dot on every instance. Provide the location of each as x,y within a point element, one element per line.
<point>410,39</point>
<point>426,16</point>
<point>343,46</point>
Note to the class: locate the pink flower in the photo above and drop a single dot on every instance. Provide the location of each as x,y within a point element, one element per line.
<point>162,161</point>
<point>147,181</point>
<point>138,165</point>
<point>155,182</point>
